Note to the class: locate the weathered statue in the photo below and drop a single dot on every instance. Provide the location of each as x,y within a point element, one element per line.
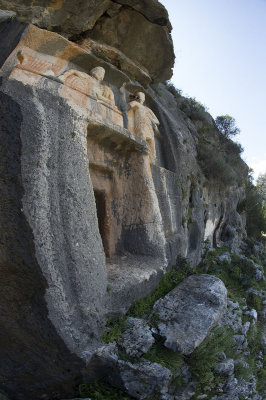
<point>143,122</point>
<point>90,84</point>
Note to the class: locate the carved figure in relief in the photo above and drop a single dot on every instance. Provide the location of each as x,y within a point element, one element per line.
<point>32,63</point>
<point>90,84</point>
<point>143,122</point>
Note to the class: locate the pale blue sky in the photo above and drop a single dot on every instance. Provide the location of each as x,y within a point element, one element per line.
<point>220,48</point>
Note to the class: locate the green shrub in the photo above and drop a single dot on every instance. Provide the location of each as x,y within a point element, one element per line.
<point>172,89</point>
<point>193,108</point>
<point>158,353</point>
<point>114,329</point>
<point>219,157</point>
<point>98,390</point>
<point>255,210</point>
<point>204,358</point>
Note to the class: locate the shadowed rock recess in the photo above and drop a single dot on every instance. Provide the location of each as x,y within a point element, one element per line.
<point>103,187</point>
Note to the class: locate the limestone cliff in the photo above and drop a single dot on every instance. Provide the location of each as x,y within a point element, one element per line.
<point>102,181</point>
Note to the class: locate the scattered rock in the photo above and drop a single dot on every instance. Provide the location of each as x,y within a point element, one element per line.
<point>225,257</point>
<point>241,342</point>
<point>189,311</point>
<point>252,313</point>
<point>222,356</point>
<point>225,368</point>
<point>137,339</point>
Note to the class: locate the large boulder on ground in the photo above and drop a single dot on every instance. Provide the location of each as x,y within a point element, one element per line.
<point>189,311</point>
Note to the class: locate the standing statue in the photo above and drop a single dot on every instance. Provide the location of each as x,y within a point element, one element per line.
<point>143,122</point>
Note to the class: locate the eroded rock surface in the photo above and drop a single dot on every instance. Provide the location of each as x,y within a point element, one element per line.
<point>121,24</point>
<point>137,339</point>
<point>189,311</point>
<point>140,380</point>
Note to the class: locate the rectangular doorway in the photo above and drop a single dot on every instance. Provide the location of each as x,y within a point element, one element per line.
<point>102,215</point>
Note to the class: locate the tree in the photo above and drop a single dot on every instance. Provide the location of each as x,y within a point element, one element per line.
<point>227,126</point>
<point>255,208</point>
<point>261,186</point>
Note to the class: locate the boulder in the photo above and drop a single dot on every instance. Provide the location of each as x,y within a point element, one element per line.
<point>145,379</point>
<point>138,339</point>
<point>225,367</point>
<point>140,380</point>
<point>189,311</point>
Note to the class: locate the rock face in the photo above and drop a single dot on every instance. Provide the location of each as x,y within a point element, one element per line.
<point>100,186</point>
<point>189,311</point>
<point>121,24</point>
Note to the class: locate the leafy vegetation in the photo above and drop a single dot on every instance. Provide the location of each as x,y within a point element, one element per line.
<point>219,157</point>
<point>193,108</point>
<point>203,360</point>
<point>227,126</point>
<point>177,93</point>
<point>166,357</point>
<point>237,275</point>
<point>98,390</point>
<point>254,206</point>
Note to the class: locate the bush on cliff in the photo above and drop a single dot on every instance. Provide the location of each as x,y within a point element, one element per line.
<point>254,206</point>
<point>219,157</point>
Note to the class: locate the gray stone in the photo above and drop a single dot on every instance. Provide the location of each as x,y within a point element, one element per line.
<point>145,379</point>
<point>240,342</point>
<point>225,257</point>
<point>139,380</point>
<point>252,313</point>
<point>189,311</point>
<point>6,15</point>
<point>222,356</point>
<point>259,275</point>
<point>225,368</point>
<point>138,339</point>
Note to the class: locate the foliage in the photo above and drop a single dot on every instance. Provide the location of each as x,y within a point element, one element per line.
<point>114,329</point>
<point>172,89</point>
<point>262,376</point>
<point>158,353</point>
<point>261,186</point>
<point>204,358</point>
<point>219,157</point>
<point>255,209</point>
<point>193,108</point>
<point>238,276</point>
<point>227,125</point>
<point>97,390</point>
